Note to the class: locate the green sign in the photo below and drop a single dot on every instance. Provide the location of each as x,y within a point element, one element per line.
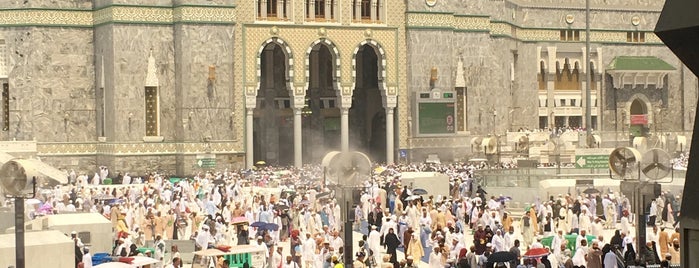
<point>436,118</point>
<point>592,161</point>
<point>206,162</point>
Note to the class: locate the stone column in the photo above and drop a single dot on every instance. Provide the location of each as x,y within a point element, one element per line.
<point>311,9</point>
<point>298,154</point>
<point>373,10</point>
<point>263,9</point>
<point>344,129</point>
<point>249,146</point>
<point>389,135</point>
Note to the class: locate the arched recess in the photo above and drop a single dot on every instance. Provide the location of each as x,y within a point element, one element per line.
<point>273,117</point>
<point>367,116</point>
<point>639,116</point>
<point>321,115</point>
<point>288,63</point>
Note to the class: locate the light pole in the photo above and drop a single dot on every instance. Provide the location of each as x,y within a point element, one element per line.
<point>495,114</point>
<point>588,75</point>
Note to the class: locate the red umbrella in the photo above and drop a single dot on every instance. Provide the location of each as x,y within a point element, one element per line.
<point>536,253</point>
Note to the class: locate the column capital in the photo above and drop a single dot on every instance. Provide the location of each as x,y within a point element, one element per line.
<point>390,101</point>
<point>250,101</point>
<point>298,102</point>
<point>345,101</point>
<point>299,89</point>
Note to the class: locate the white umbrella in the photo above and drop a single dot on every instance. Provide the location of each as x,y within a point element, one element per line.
<point>33,201</point>
<point>412,197</point>
<point>114,264</point>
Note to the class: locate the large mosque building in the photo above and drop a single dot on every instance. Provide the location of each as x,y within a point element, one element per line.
<point>185,85</point>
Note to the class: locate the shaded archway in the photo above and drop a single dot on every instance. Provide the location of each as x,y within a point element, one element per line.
<point>639,118</point>
<point>321,117</point>
<point>367,115</point>
<point>273,118</point>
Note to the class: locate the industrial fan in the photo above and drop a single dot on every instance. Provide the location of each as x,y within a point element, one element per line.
<point>476,143</point>
<point>624,162</point>
<point>348,168</point>
<point>522,145</point>
<point>18,177</point>
<point>656,164</point>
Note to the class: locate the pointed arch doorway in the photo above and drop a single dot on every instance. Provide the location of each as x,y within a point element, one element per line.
<point>273,118</point>
<point>367,117</point>
<point>321,116</point>
<point>638,123</point>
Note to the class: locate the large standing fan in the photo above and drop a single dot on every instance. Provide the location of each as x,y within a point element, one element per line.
<point>624,162</point>
<point>523,144</point>
<point>490,145</point>
<point>476,143</point>
<point>347,168</point>
<point>656,164</point>
<point>18,177</point>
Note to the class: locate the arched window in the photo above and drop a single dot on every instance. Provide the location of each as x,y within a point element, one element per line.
<point>320,9</point>
<point>366,10</point>
<point>271,8</point>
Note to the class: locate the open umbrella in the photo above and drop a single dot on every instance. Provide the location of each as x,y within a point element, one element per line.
<point>502,256</point>
<point>304,203</point>
<point>33,201</point>
<point>260,163</point>
<point>412,197</point>
<point>281,206</point>
<point>115,201</point>
<point>239,220</point>
<point>419,191</point>
<point>536,253</point>
<point>591,191</point>
<point>258,224</point>
<point>503,198</point>
<point>323,195</point>
<point>270,227</point>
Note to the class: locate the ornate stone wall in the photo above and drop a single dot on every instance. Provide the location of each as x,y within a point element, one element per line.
<point>51,89</point>
<point>491,35</point>
<point>61,53</point>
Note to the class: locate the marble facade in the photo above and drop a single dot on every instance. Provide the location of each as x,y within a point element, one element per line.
<point>77,70</point>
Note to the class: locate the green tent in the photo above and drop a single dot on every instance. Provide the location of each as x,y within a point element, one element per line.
<point>143,250</point>
<point>571,238</point>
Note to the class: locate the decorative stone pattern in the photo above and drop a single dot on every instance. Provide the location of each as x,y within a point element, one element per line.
<point>118,14</point>
<point>158,15</point>
<point>74,18</point>
<point>115,149</point>
<point>439,20</point>
<point>471,23</point>
<point>534,35</point>
<point>501,29</point>
<point>200,14</point>
<point>430,20</point>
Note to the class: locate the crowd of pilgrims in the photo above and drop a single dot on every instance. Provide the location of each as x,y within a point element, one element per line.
<point>461,228</point>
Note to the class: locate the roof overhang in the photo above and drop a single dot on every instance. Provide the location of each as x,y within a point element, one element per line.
<point>639,70</point>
